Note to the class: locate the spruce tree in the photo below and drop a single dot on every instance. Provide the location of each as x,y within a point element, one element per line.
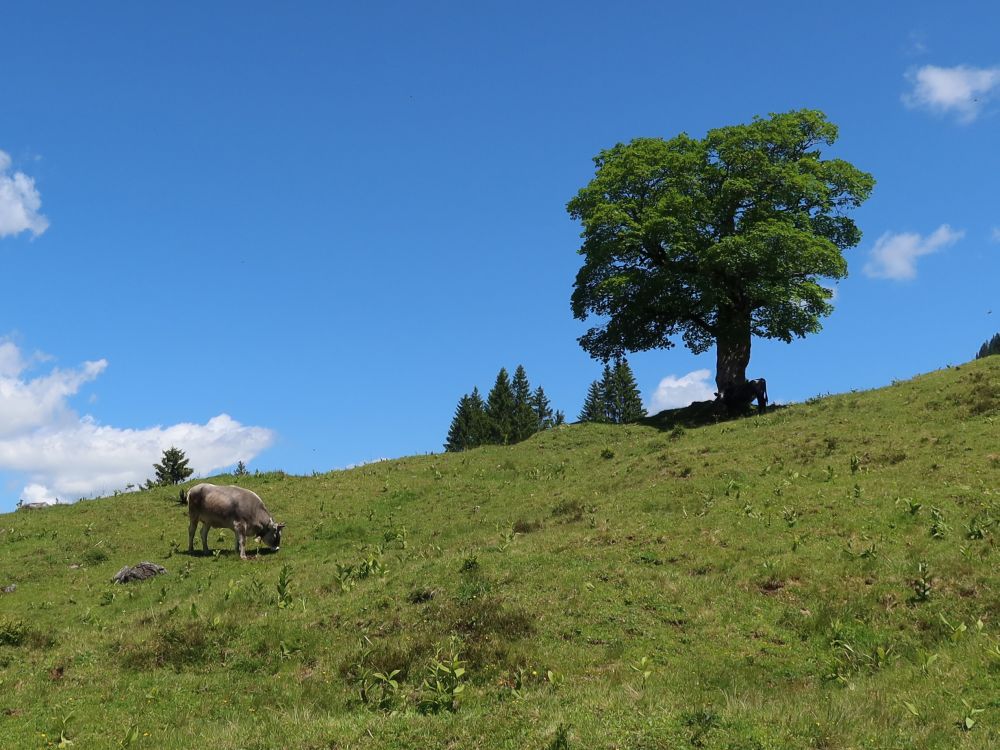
<point>990,347</point>
<point>468,427</point>
<point>560,419</point>
<point>459,434</point>
<point>593,406</point>
<point>173,467</point>
<point>624,402</point>
<point>525,423</point>
<point>480,425</point>
<point>541,409</point>
<point>608,394</point>
<point>500,410</point>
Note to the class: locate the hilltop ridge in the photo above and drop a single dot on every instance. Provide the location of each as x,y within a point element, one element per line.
<point>821,576</point>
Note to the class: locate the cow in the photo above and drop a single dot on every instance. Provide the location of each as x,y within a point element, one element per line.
<point>230,507</point>
<point>738,397</point>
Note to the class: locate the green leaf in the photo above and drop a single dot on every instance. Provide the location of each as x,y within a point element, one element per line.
<point>130,736</point>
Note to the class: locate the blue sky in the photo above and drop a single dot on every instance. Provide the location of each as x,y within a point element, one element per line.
<point>297,235</point>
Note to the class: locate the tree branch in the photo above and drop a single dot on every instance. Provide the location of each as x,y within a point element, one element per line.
<point>701,323</point>
<point>655,253</point>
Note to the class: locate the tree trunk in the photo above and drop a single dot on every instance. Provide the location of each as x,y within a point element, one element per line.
<point>732,353</point>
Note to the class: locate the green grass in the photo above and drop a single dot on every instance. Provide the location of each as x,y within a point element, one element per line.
<point>824,576</point>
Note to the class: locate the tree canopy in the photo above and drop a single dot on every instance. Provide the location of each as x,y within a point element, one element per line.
<point>715,240</point>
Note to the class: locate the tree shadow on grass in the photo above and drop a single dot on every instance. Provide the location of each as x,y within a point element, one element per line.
<point>700,414</point>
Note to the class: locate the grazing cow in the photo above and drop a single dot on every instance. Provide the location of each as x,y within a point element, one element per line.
<point>230,507</point>
<point>738,397</point>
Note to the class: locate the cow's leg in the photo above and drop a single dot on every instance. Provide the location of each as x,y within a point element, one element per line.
<point>204,536</point>
<point>241,540</point>
<point>192,527</point>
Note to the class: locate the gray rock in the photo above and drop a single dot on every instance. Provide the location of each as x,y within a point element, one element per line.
<point>140,572</point>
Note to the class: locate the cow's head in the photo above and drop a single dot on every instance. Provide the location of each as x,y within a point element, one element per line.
<point>271,534</point>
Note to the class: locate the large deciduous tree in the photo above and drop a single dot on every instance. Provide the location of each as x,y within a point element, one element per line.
<point>715,240</point>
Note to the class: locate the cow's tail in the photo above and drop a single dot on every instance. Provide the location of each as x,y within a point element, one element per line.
<point>182,498</point>
<point>763,396</point>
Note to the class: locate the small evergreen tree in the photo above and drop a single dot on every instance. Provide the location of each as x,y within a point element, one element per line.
<point>500,410</point>
<point>480,430</point>
<point>459,431</point>
<point>240,470</point>
<point>541,410</point>
<point>467,427</point>
<point>593,406</point>
<point>624,402</point>
<point>511,413</point>
<point>525,423</point>
<point>990,347</point>
<point>173,467</point>
<point>615,397</point>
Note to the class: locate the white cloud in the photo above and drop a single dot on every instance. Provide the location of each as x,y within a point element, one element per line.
<point>895,255</point>
<point>674,392</point>
<point>960,90</point>
<point>68,456</point>
<point>19,202</point>
<point>30,404</point>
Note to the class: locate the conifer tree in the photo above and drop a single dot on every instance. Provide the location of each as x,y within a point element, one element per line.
<point>460,432</point>
<point>541,409</point>
<point>525,423</point>
<point>511,413</point>
<point>622,397</point>
<point>469,427</point>
<point>990,347</point>
<point>593,406</point>
<point>500,410</point>
<point>480,429</point>
<point>173,467</point>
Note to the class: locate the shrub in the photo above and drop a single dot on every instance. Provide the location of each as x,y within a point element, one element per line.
<point>444,682</point>
<point>522,526</point>
<point>13,632</point>
<point>572,509</point>
<point>94,556</point>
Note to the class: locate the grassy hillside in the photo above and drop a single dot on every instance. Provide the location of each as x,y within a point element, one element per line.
<point>824,576</point>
